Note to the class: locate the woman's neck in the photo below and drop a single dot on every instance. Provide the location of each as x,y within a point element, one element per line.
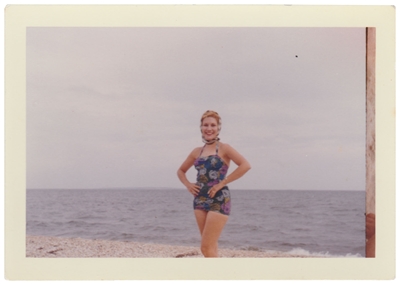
<point>211,142</point>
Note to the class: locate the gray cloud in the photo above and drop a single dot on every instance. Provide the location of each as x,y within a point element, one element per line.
<point>121,106</point>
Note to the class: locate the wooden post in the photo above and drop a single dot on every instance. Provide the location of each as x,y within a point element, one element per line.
<point>370,142</point>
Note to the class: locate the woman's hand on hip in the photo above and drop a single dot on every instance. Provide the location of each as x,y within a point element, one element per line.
<point>193,188</point>
<point>213,190</point>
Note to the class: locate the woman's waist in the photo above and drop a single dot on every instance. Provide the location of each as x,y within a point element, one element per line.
<point>208,184</point>
<point>204,188</point>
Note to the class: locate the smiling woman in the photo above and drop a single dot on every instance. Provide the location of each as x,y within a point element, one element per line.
<point>212,200</point>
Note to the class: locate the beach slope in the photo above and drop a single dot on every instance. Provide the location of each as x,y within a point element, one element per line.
<point>53,247</point>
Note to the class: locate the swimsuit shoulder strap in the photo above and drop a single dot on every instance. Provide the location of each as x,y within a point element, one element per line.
<point>202,149</point>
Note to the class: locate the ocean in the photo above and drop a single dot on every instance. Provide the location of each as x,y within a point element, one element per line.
<point>306,222</point>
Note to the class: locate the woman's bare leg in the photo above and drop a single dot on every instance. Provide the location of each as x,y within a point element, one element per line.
<point>201,216</point>
<point>212,229</point>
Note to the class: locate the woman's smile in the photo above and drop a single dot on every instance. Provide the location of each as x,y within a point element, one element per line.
<point>209,133</point>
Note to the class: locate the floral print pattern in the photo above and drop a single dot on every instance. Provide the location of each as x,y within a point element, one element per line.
<point>211,170</point>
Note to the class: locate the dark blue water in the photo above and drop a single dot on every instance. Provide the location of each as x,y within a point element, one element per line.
<point>302,222</point>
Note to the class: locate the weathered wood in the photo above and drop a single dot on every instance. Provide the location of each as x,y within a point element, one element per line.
<point>370,137</point>
<point>370,123</point>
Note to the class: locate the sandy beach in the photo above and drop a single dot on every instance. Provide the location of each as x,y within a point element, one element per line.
<point>53,247</point>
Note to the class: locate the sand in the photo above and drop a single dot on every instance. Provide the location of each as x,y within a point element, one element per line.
<point>53,247</point>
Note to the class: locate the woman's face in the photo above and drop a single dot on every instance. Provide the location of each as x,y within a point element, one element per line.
<point>209,128</point>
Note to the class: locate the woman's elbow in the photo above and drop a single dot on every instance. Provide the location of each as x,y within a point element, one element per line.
<point>248,166</point>
<point>180,172</point>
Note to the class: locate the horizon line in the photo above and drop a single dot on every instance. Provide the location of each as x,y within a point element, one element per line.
<point>175,188</point>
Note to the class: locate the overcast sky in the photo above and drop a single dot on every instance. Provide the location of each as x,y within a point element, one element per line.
<point>121,107</point>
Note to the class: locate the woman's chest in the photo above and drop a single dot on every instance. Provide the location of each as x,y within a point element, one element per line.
<point>212,162</point>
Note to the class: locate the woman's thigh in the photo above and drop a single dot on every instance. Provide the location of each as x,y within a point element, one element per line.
<point>201,217</point>
<point>213,227</point>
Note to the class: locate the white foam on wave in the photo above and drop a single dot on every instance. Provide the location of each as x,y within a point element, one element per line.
<point>300,252</point>
<point>303,252</point>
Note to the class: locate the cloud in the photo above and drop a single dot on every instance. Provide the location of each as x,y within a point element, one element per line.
<point>122,106</point>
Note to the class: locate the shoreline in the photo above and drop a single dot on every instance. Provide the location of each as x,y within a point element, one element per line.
<point>62,247</point>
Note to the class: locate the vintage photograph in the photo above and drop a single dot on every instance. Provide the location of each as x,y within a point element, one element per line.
<point>141,141</point>
<point>192,142</point>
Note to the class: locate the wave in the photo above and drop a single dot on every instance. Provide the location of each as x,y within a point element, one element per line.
<point>296,252</point>
<point>303,252</point>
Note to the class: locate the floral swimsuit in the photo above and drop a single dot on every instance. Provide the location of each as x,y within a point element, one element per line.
<point>211,170</point>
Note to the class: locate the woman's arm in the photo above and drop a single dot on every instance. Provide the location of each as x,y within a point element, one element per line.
<point>239,160</point>
<point>191,187</point>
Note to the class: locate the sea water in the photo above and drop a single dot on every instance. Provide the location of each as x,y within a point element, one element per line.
<point>313,222</point>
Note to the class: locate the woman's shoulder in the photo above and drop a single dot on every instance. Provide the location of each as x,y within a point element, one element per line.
<point>196,152</point>
<point>225,146</point>
<point>227,150</point>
